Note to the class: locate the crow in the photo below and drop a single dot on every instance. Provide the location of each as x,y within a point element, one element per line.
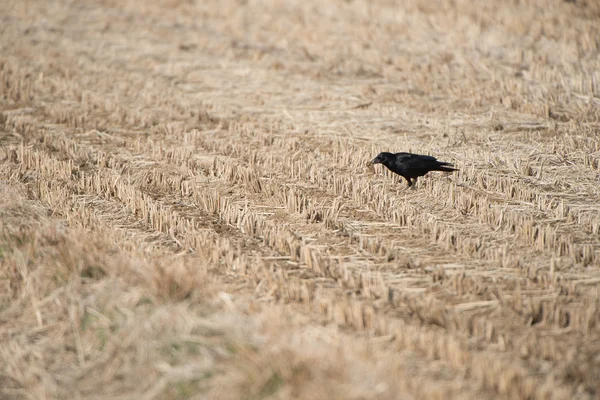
<point>411,166</point>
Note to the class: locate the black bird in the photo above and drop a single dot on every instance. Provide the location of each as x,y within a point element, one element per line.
<point>411,166</point>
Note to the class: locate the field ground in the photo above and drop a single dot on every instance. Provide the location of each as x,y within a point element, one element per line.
<point>186,211</point>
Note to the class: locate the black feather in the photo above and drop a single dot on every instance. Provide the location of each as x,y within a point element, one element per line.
<point>411,166</point>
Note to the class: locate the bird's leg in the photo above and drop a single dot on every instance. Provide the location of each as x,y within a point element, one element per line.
<point>408,180</point>
<point>414,183</point>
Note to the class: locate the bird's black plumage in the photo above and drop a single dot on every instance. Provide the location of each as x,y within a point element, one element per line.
<point>411,166</point>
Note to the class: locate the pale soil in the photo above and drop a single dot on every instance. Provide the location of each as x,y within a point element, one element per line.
<point>186,211</point>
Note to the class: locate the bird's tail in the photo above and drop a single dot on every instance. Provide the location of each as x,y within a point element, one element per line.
<point>446,167</point>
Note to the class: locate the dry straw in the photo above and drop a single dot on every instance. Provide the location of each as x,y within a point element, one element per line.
<point>188,208</point>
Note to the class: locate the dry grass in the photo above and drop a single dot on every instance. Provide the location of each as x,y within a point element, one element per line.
<point>186,211</point>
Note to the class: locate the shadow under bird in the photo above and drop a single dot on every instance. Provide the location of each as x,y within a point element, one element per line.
<point>411,166</point>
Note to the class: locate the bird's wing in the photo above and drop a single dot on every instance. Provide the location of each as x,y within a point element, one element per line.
<point>415,158</point>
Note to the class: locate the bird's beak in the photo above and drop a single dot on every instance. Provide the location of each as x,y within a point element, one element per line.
<point>375,161</point>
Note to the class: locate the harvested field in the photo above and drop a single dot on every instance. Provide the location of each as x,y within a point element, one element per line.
<point>186,210</point>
